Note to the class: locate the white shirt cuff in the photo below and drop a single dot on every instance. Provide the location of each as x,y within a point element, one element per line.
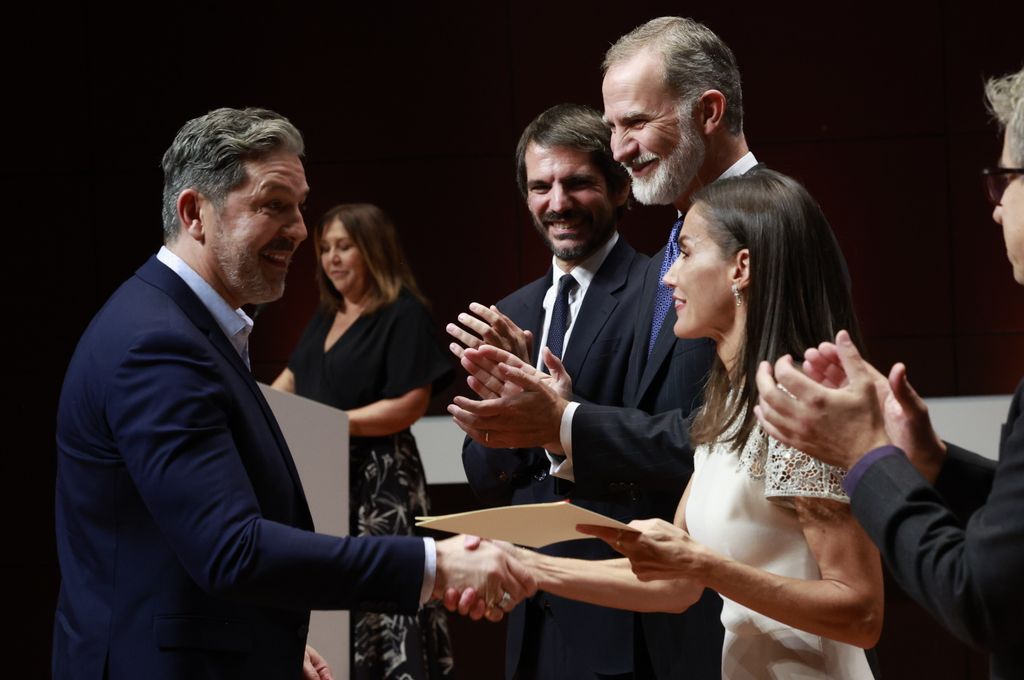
<point>560,467</point>
<point>429,569</point>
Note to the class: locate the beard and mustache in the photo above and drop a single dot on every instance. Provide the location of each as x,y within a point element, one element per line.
<point>675,171</point>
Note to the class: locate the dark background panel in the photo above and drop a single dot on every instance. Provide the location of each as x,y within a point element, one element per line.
<point>876,106</point>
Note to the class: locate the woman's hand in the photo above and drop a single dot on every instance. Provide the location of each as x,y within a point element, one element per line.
<point>657,550</point>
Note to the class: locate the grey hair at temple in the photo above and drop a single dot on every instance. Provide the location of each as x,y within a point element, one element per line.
<point>695,59</point>
<point>209,154</point>
<point>1006,101</point>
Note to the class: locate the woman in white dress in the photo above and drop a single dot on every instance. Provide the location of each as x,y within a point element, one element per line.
<point>765,526</point>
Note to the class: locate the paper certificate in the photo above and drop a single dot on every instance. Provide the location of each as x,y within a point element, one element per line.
<point>534,525</point>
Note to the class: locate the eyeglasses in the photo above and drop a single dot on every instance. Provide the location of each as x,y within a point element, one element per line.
<point>996,181</point>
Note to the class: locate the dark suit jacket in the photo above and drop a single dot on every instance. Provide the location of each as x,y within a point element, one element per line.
<point>185,542</point>
<point>968,575</point>
<point>596,357</point>
<point>646,447</point>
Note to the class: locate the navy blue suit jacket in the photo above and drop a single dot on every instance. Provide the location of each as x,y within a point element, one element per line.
<point>596,358</point>
<point>185,542</point>
<point>646,447</point>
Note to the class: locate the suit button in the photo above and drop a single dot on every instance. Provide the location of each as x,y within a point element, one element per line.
<point>302,631</point>
<point>503,476</point>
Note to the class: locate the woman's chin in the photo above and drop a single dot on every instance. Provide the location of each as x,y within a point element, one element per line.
<point>686,332</point>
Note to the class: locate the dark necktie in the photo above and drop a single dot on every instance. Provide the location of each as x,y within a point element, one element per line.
<point>663,295</point>
<point>560,316</point>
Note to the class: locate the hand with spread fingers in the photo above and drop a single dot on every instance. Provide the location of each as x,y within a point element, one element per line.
<point>490,327</point>
<point>480,580</point>
<point>657,550</point>
<point>530,417</point>
<point>837,425</point>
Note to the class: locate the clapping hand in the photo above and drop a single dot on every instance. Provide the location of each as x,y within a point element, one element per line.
<point>906,415</point>
<point>521,406</point>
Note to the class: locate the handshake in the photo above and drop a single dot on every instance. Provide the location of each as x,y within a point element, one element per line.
<point>480,579</point>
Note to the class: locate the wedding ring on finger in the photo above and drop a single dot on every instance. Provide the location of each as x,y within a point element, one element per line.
<point>782,388</point>
<point>618,538</point>
<point>505,603</point>
<point>487,436</point>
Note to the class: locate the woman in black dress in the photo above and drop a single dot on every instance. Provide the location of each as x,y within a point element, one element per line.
<point>370,351</point>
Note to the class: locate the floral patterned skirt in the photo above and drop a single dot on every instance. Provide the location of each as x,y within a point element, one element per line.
<point>388,491</point>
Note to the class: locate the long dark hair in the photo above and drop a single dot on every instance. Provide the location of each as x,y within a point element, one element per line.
<point>798,293</point>
<point>375,236</point>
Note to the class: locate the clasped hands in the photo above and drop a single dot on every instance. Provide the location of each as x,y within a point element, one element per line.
<point>480,579</point>
<point>519,406</point>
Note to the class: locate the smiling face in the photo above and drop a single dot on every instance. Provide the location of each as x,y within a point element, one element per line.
<point>660,145</point>
<point>1010,215</point>
<point>568,198</point>
<point>342,262</point>
<point>701,281</point>
<point>250,238</point>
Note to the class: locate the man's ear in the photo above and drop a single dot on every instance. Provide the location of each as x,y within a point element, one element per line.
<point>741,268</point>
<point>711,111</point>
<point>191,207</point>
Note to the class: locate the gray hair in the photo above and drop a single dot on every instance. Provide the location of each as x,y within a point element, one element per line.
<point>695,60</point>
<point>577,127</point>
<point>1006,102</point>
<point>209,154</point>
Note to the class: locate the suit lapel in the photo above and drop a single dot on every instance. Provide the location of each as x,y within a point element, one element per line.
<point>157,274</point>
<point>597,306</point>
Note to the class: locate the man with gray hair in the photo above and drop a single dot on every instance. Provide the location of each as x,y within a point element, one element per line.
<point>911,491</point>
<point>185,543</point>
<point>582,311</point>
<point>673,102</point>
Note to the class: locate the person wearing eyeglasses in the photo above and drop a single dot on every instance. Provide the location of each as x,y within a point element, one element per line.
<point>949,524</point>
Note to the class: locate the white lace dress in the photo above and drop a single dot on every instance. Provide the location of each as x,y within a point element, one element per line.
<point>741,505</point>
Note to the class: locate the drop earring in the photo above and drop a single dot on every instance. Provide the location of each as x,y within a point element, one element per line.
<point>736,293</point>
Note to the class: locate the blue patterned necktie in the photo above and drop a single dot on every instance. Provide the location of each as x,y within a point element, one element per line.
<point>663,295</point>
<point>560,316</point>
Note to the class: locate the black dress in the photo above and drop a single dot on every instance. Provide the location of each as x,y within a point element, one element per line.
<point>382,355</point>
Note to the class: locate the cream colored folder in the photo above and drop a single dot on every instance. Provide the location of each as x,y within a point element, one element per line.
<point>534,525</point>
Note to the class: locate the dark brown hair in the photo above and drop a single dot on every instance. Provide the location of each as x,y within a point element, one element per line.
<point>576,127</point>
<point>798,294</point>
<point>374,235</point>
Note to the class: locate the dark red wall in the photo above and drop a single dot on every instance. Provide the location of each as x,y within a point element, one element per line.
<point>876,106</point>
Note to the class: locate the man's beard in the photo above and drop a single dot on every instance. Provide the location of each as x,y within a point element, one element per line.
<point>244,275</point>
<point>675,171</point>
<point>598,236</point>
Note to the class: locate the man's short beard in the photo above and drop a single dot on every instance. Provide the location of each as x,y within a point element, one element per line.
<point>675,171</point>
<point>580,251</point>
<point>245,277</point>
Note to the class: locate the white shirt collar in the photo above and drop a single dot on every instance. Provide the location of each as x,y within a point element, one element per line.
<point>234,323</point>
<point>743,165</point>
<point>740,167</point>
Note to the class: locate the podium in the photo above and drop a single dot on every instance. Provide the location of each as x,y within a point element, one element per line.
<point>318,438</point>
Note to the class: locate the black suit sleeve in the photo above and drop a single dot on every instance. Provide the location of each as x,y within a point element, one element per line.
<point>623,445</point>
<point>967,576</point>
<point>965,481</point>
<point>494,474</point>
